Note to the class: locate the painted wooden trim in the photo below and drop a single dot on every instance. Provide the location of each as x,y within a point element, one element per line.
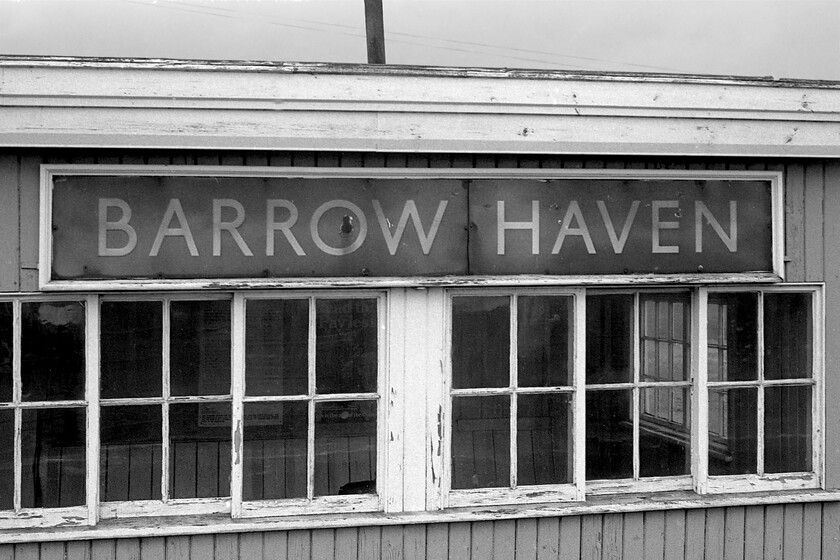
<point>125,103</point>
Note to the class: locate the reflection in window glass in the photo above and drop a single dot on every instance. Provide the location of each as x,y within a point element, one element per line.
<point>544,341</point>
<point>787,429</point>
<point>346,345</point>
<point>480,342</point>
<point>131,349</point>
<point>276,352</point>
<point>480,442</point>
<point>274,465</point>
<point>200,348</point>
<point>609,336</point>
<point>53,351</point>
<point>543,439</point>
<point>345,448</point>
<point>53,457</point>
<point>609,434</point>
<point>130,453</point>
<point>7,458</point>
<point>665,437</point>
<point>732,348</point>
<point>665,346</point>
<point>199,456</point>
<point>6,346</point>
<point>787,336</point>
<point>733,434</point>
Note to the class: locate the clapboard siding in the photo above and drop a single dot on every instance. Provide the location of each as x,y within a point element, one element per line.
<point>783,532</point>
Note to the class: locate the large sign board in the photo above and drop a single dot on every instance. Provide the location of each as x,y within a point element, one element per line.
<point>170,227</point>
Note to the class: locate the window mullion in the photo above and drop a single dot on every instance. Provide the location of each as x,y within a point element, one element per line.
<point>17,394</point>
<point>237,406</point>
<point>513,382</point>
<point>579,380</point>
<point>310,428</point>
<point>760,396</point>
<point>699,390</point>
<point>635,392</point>
<point>165,393</point>
<point>92,398</point>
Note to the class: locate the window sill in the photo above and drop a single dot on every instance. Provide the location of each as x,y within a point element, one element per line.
<point>213,524</point>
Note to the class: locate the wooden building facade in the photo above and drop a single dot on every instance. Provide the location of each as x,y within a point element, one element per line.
<point>335,311</point>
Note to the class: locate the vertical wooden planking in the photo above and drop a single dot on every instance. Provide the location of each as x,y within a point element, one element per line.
<point>9,224</point>
<point>414,542</point>
<point>794,222</point>
<point>7,552</point>
<point>812,525</point>
<point>346,543</point>
<point>548,538</point>
<point>633,539</point>
<point>323,543</point>
<point>715,523</point>
<point>773,531</point>
<point>526,539</point>
<point>299,544</point>
<point>654,531</point>
<point>459,541</point>
<point>591,527</point>
<point>128,549</point>
<point>504,539</point>
<point>792,539</point>
<point>754,533</point>
<point>251,546</point>
<point>275,545</point>
<point>814,219</point>
<point>437,541</point>
<point>733,538</point>
<point>674,534</point>
<point>695,534</point>
<point>80,550</point>
<point>52,551</point>
<point>27,551</point>
<point>226,547</point>
<point>831,530</point>
<point>482,540</point>
<point>202,547</point>
<point>613,536</point>
<point>105,549</point>
<point>370,543</point>
<point>570,538</point>
<point>29,221</point>
<point>392,542</point>
<point>831,234</point>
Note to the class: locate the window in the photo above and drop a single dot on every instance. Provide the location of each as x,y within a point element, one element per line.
<point>707,389</point>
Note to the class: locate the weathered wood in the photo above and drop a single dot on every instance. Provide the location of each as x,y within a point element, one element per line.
<point>127,549</point>
<point>459,541</point>
<point>674,534</point>
<point>275,545</point>
<point>392,543</point>
<point>695,534</point>
<point>831,530</point>
<point>814,219</point>
<point>831,234</point>
<point>323,543</point>
<point>7,552</point>
<point>754,533</point>
<point>654,531</point>
<point>792,537</point>
<point>437,541</point>
<point>504,539</point>
<point>299,544</point>
<point>481,543</point>
<point>548,538</point>
<point>414,542</point>
<point>9,224</point>
<point>733,538</point>
<point>812,527</point>
<point>526,539</point>
<point>29,222</point>
<point>346,543</point>
<point>202,547</point>
<point>613,536</point>
<point>794,222</point>
<point>52,551</point>
<point>226,547</point>
<point>80,550</point>
<point>570,538</point>
<point>774,526</point>
<point>370,543</point>
<point>591,537</point>
<point>27,551</point>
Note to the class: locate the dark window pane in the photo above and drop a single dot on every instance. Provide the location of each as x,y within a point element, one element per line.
<point>732,349</point>
<point>733,435</point>
<point>345,448</point>
<point>609,435</point>
<point>276,347</point>
<point>346,345</point>
<point>53,457</point>
<point>664,432</point>
<point>130,453</point>
<point>788,336</point>
<point>200,348</point>
<point>7,458</point>
<point>544,439</point>
<point>275,450</point>
<point>665,352</point>
<point>787,429</point>
<point>131,349</point>
<point>199,456</point>
<point>480,342</point>
<point>5,351</point>
<point>53,351</point>
<point>480,442</point>
<point>609,335</point>
<point>544,337</point>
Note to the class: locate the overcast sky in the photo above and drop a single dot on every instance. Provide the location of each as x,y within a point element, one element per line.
<point>780,38</point>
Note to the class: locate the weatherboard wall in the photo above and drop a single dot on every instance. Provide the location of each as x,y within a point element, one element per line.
<point>790,531</point>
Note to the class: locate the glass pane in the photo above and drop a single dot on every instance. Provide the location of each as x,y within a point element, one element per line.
<point>7,458</point>
<point>276,347</point>
<point>609,335</point>
<point>788,336</point>
<point>199,454</point>
<point>544,439</point>
<point>733,350</point>
<point>480,342</point>
<point>665,436</point>
<point>131,349</point>
<point>345,448</point>
<point>53,457</point>
<point>545,338</point>
<point>53,351</point>
<point>733,434</point>
<point>130,453</point>
<point>480,442</point>
<point>665,354</point>
<point>346,345</point>
<point>787,429</point>
<point>609,435</point>
<point>5,352</point>
<point>275,450</point>
<point>200,348</point>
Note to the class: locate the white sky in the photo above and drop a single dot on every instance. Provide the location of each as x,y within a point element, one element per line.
<point>780,38</point>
